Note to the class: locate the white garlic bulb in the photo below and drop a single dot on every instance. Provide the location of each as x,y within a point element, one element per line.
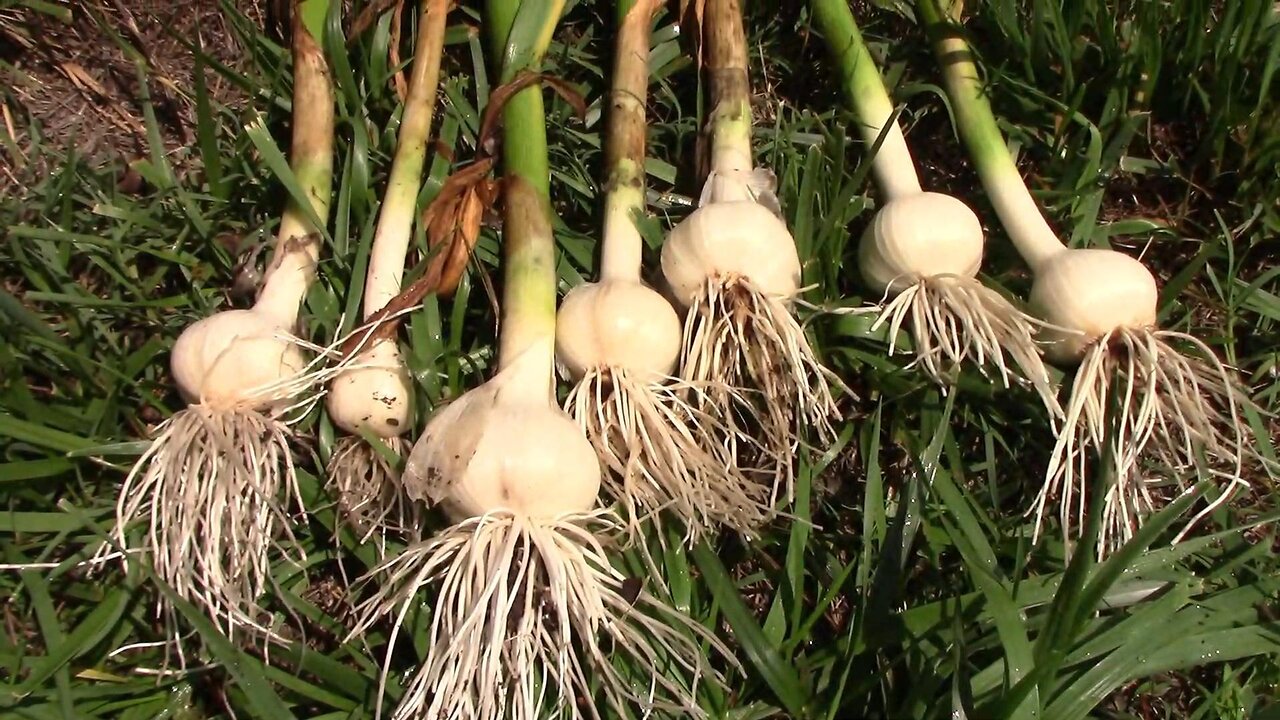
<point>374,394</point>
<point>920,235</point>
<point>724,239</point>
<point>617,323</point>
<point>223,360</point>
<point>505,445</point>
<point>1090,292</point>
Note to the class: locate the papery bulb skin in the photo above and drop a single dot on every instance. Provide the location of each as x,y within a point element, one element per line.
<point>218,361</point>
<point>920,235</point>
<point>617,323</point>
<point>723,239</point>
<point>530,458</point>
<point>376,395</point>
<point>1091,291</point>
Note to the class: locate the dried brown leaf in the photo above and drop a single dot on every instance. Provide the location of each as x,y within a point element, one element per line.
<point>452,223</point>
<point>452,260</point>
<point>82,79</point>
<point>454,228</point>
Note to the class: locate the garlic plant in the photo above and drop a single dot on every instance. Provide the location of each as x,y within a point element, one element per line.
<point>1133,385</point>
<point>732,265</point>
<point>213,486</point>
<point>530,615</point>
<point>374,394</point>
<point>925,248</point>
<point>619,340</point>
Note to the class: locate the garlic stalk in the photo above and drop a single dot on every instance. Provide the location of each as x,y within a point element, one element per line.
<point>619,340</point>
<point>213,486</point>
<point>733,266</point>
<point>375,394</point>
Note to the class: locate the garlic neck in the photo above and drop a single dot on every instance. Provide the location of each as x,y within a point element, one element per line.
<point>892,165</point>
<point>731,156</point>
<point>865,91</point>
<point>622,250</point>
<point>624,151</point>
<point>297,247</point>
<point>529,299</point>
<point>390,242</point>
<point>395,218</point>
<point>290,273</point>
<point>529,377</point>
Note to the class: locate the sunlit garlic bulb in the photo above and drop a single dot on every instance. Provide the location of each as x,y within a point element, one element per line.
<point>617,323</point>
<point>221,360</point>
<point>504,445</point>
<point>920,235</point>
<point>375,395</point>
<point>723,239</point>
<point>1091,292</point>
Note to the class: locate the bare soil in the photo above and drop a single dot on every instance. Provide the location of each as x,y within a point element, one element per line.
<point>73,82</point>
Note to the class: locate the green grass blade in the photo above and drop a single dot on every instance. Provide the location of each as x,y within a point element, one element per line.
<point>246,670</point>
<point>95,626</point>
<point>51,630</point>
<point>773,668</point>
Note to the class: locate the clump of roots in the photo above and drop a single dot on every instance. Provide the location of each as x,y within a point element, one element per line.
<point>213,488</point>
<point>737,338</point>
<point>664,452</point>
<point>955,319</point>
<point>532,621</point>
<point>1180,412</point>
<point>371,499</point>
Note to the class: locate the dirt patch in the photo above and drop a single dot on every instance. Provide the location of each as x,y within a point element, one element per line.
<point>73,80</point>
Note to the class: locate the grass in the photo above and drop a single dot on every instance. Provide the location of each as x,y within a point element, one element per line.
<point>907,587</point>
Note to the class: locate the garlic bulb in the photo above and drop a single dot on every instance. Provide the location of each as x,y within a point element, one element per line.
<point>726,239</point>
<point>1087,293</point>
<point>920,235</point>
<point>223,360</point>
<point>505,445</point>
<point>617,323</point>
<point>375,394</point>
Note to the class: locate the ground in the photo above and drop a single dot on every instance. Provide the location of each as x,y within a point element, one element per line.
<point>133,199</point>
<point>74,74</point>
